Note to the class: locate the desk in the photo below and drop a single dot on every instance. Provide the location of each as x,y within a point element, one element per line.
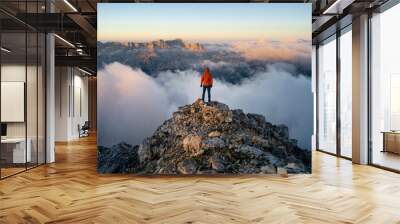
<point>15,148</point>
<point>391,141</point>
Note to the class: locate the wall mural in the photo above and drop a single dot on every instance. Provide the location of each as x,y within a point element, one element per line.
<point>204,88</point>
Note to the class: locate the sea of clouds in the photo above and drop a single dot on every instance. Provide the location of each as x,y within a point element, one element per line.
<point>132,104</point>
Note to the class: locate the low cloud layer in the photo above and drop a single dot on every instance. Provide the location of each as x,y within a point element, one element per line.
<point>274,50</point>
<point>132,104</point>
<point>232,62</point>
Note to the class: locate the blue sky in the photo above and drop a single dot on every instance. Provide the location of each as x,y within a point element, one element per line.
<point>203,22</point>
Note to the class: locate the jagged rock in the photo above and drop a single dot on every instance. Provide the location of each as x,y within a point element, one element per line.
<point>187,167</point>
<point>168,169</point>
<point>144,152</point>
<point>259,141</point>
<point>250,151</point>
<point>228,117</point>
<point>268,169</point>
<point>217,164</point>
<point>273,159</point>
<point>210,138</point>
<point>260,119</point>
<point>281,171</point>
<point>192,145</point>
<point>213,143</point>
<point>120,158</point>
<point>214,134</point>
<point>294,168</point>
<point>283,131</point>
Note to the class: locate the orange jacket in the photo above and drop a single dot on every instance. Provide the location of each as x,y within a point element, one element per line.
<point>206,78</point>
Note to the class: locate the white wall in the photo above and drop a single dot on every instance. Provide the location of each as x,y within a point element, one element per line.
<point>70,84</point>
<point>33,127</point>
<point>79,110</point>
<point>12,73</point>
<point>62,81</point>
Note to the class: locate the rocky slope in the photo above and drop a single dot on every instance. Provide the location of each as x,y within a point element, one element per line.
<point>208,139</point>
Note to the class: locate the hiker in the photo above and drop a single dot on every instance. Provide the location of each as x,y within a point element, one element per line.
<point>207,83</point>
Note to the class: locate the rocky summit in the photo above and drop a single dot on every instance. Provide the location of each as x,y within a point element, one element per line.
<point>209,139</point>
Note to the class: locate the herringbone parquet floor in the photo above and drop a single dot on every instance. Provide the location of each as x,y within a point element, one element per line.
<point>70,191</point>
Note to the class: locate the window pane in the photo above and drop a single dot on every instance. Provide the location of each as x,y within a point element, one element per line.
<point>31,97</point>
<point>385,93</point>
<point>13,85</point>
<point>327,96</point>
<point>346,94</point>
<point>41,98</point>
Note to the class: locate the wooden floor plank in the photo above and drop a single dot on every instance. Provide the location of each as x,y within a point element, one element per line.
<point>71,191</point>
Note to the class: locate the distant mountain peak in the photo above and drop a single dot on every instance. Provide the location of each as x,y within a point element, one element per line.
<point>167,44</point>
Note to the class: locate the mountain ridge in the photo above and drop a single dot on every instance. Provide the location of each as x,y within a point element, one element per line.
<point>209,139</point>
<point>167,44</point>
<point>159,56</point>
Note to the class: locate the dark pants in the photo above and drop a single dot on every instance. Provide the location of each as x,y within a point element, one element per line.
<point>208,88</point>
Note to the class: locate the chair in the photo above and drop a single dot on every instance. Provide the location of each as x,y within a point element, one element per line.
<point>84,130</point>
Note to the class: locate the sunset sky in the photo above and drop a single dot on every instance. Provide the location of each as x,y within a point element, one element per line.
<point>203,22</point>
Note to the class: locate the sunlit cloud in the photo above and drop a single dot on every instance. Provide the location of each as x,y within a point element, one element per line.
<point>265,49</point>
<point>135,114</point>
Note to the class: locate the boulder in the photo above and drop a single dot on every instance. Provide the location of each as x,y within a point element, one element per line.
<point>259,141</point>
<point>213,143</point>
<point>228,117</point>
<point>269,169</point>
<point>250,151</point>
<point>214,134</point>
<point>273,159</point>
<point>217,164</point>
<point>192,145</point>
<point>281,171</point>
<point>260,119</point>
<point>294,168</point>
<point>187,167</point>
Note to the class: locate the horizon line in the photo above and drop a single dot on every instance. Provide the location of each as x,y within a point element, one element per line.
<point>207,41</point>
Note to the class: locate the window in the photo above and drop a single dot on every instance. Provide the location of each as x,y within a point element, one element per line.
<point>346,93</point>
<point>385,89</point>
<point>327,96</point>
<point>22,88</point>
<point>394,102</point>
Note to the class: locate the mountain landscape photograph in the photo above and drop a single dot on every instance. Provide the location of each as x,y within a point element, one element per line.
<point>156,118</point>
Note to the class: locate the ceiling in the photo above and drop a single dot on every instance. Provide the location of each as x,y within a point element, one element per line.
<point>75,22</point>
